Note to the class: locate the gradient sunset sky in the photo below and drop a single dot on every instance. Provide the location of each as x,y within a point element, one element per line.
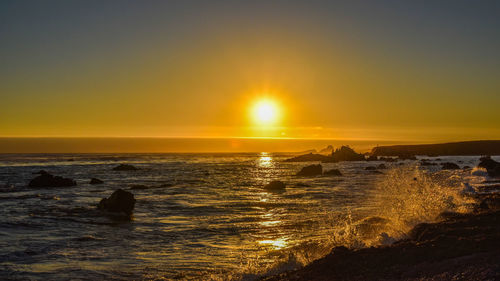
<point>403,70</point>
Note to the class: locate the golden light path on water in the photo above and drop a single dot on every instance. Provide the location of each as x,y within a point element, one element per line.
<point>269,219</point>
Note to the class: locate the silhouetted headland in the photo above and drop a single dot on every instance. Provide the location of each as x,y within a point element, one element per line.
<point>486,147</point>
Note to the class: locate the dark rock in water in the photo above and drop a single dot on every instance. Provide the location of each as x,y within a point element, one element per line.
<point>139,186</point>
<point>449,166</point>
<point>332,172</point>
<point>372,158</point>
<point>125,167</point>
<point>345,153</point>
<point>311,170</point>
<point>309,158</point>
<point>492,166</point>
<point>120,201</point>
<point>382,166</point>
<point>370,168</point>
<point>96,181</point>
<point>47,180</point>
<point>275,185</point>
<point>407,157</point>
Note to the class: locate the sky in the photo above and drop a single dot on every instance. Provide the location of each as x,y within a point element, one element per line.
<point>387,70</point>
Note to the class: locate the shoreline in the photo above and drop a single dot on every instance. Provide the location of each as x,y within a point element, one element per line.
<point>458,247</point>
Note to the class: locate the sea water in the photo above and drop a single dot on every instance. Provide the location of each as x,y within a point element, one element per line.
<point>207,216</point>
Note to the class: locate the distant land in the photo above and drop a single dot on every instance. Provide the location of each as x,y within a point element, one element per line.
<point>482,147</point>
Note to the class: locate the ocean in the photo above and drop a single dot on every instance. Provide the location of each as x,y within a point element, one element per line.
<point>207,216</point>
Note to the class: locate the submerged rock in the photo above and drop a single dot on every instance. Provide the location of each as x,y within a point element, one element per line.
<point>47,180</point>
<point>332,172</point>
<point>382,166</point>
<point>311,170</point>
<point>125,167</point>
<point>449,166</point>
<point>275,186</point>
<point>120,201</point>
<point>95,181</point>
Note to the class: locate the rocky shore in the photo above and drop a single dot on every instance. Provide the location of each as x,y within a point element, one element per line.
<point>459,247</point>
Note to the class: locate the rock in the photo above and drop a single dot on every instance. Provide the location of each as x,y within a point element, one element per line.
<point>120,201</point>
<point>95,181</point>
<point>309,158</point>
<point>125,167</point>
<point>407,157</point>
<point>370,168</point>
<point>332,172</point>
<point>491,166</point>
<point>311,170</point>
<point>372,158</point>
<point>47,180</point>
<point>327,150</point>
<point>449,166</point>
<point>479,171</point>
<point>382,166</point>
<point>345,153</point>
<point>275,186</point>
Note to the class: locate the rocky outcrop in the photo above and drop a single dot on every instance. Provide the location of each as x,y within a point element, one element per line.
<point>311,170</point>
<point>333,172</point>
<point>125,167</point>
<point>309,158</point>
<point>47,180</point>
<point>462,247</point>
<point>95,181</point>
<point>345,153</point>
<point>449,166</point>
<point>457,148</point>
<point>275,186</point>
<point>327,150</point>
<point>120,201</point>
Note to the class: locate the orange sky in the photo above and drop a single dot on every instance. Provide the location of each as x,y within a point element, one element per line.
<point>423,73</point>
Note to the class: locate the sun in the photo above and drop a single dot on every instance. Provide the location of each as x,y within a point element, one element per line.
<point>265,112</point>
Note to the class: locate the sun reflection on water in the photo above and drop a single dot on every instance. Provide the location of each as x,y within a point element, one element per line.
<point>277,244</point>
<point>265,160</point>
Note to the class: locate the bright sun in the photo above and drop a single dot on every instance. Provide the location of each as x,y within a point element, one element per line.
<point>265,112</point>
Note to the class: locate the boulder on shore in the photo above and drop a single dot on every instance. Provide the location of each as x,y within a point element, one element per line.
<point>333,172</point>
<point>275,186</point>
<point>125,167</point>
<point>311,170</point>
<point>449,166</point>
<point>95,181</point>
<point>120,201</point>
<point>47,180</point>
